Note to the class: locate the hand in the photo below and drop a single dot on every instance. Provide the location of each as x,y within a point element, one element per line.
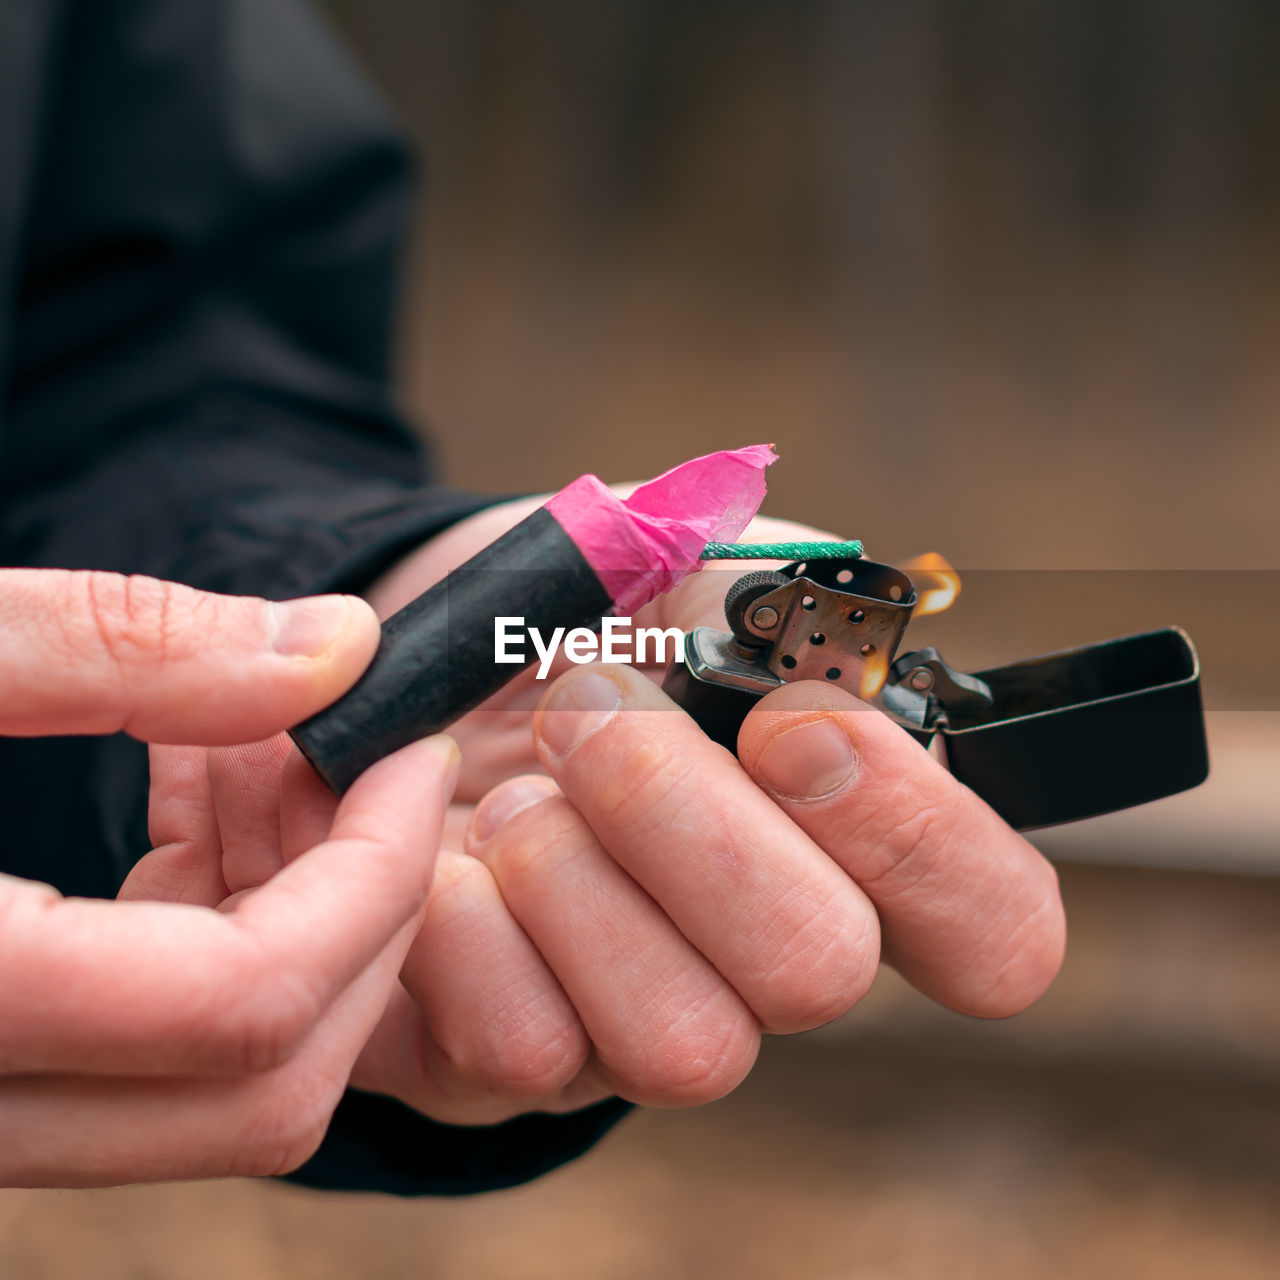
<point>204,1032</point>
<point>633,922</point>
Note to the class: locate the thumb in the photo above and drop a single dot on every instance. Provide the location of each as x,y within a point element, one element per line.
<point>90,652</point>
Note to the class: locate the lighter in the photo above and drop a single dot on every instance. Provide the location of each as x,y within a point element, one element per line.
<point>1047,740</point>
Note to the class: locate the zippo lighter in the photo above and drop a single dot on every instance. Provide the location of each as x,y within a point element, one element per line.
<point>1047,740</point>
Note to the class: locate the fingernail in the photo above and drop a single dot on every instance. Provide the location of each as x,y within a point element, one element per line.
<point>306,628</point>
<point>445,747</point>
<point>500,806</point>
<point>809,762</point>
<point>576,710</point>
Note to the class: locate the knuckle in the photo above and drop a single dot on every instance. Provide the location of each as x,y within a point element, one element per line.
<point>700,1059</point>
<point>528,1062</point>
<point>523,854</point>
<point>645,787</point>
<point>904,834</point>
<point>286,1129</point>
<point>463,893</point>
<point>1028,959</point>
<point>252,768</point>
<point>131,616</point>
<point>822,963</point>
<point>458,876</point>
<point>296,1147</point>
<point>263,1031</point>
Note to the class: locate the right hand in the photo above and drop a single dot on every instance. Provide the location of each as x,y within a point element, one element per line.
<point>192,1030</point>
<point>633,923</point>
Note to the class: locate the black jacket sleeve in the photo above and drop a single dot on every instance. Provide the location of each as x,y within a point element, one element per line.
<point>200,211</point>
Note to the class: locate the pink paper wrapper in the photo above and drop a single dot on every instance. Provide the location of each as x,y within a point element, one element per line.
<point>642,546</point>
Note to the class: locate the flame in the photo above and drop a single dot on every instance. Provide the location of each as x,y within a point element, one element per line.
<point>875,671</point>
<point>937,582</point>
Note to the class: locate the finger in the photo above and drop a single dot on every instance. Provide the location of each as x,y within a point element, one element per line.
<point>307,807</point>
<point>82,1131</point>
<point>495,739</point>
<point>400,1059</point>
<point>89,652</point>
<point>144,987</point>
<point>494,1033</point>
<point>969,910</point>
<point>666,1027</point>
<point>244,783</point>
<point>456,821</point>
<point>186,863</point>
<point>755,895</point>
<point>85,1131</point>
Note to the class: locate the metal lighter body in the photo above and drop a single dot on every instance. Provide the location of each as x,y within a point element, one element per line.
<point>1044,741</point>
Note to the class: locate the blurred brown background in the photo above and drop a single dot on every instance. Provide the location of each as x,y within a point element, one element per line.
<point>1000,279</point>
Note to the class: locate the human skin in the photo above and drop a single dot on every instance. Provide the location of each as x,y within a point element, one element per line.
<point>621,907</point>
<point>190,1030</point>
<point>628,919</point>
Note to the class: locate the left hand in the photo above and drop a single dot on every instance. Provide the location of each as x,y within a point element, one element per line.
<point>190,1030</point>
<point>633,922</point>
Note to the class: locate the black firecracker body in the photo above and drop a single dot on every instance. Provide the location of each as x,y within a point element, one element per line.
<point>435,661</point>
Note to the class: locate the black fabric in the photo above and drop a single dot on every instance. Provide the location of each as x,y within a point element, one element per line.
<point>375,1143</point>
<point>201,206</point>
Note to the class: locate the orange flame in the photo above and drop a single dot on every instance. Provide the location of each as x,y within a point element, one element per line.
<point>937,582</point>
<point>875,671</point>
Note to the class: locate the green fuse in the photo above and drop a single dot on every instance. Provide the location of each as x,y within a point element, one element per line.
<point>781,551</point>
